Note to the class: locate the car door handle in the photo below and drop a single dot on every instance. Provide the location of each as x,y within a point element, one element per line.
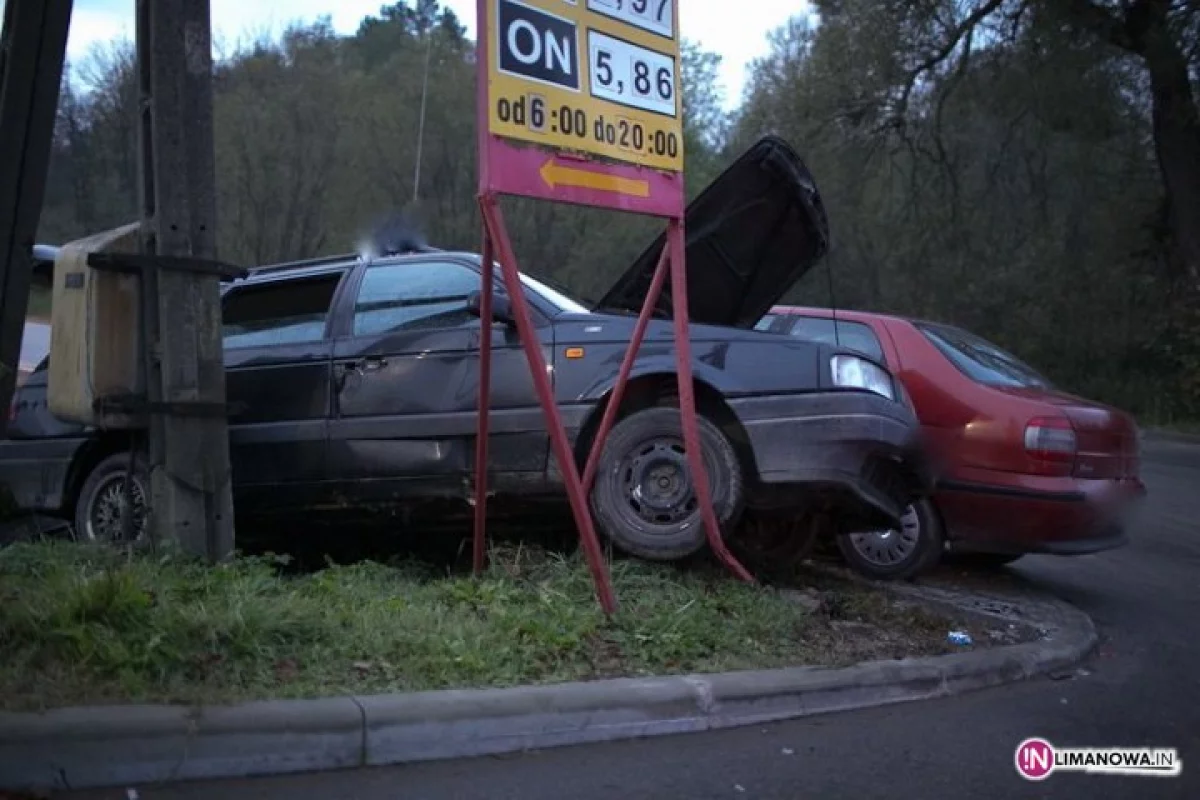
<point>371,364</point>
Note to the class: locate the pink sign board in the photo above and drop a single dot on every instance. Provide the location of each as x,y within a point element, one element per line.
<point>530,171</point>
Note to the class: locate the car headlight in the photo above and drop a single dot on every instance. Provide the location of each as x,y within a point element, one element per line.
<point>852,372</point>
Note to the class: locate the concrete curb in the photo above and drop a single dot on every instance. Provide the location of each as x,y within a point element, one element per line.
<point>130,745</point>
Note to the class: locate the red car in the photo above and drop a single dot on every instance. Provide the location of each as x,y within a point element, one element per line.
<point>1025,468</point>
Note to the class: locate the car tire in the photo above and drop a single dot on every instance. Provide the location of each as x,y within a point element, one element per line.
<point>982,560</point>
<point>648,445</point>
<point>98,506</point>
<point>900,554</point>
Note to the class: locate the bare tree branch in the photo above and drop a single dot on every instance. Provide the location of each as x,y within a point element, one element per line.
<point>942,53</point>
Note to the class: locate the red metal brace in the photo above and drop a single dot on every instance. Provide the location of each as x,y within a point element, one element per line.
<point>498,233</point>
<point>485,404</point>
<point>673,257</point>
<point>618,391</point>
<point>687,401</point>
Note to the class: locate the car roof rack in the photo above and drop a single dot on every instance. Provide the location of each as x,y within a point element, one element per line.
<point>344,258</point>
<point>309,262</point>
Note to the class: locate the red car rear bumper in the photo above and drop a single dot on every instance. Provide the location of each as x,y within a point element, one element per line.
<point>1029,514</point>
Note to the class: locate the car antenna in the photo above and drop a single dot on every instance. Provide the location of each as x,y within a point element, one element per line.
<point>837,338</point>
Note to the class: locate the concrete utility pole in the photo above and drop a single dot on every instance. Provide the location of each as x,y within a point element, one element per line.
<point>32,50</point>
<point>191,501</point>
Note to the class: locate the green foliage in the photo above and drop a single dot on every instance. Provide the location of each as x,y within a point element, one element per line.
<point>92,624</point>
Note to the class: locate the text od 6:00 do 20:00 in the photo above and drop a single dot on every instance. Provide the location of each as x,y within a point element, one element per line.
<point>530,111</point>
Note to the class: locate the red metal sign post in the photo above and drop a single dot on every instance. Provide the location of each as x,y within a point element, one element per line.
<point>579,102</point>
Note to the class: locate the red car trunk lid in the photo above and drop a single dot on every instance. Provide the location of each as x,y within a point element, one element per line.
<point>1106,439</point>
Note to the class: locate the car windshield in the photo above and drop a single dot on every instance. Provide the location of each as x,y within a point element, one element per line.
<point>982,361</point>
<point>557,298</point>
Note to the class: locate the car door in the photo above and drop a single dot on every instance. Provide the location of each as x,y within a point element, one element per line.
<point>278,355</point>
<point>406,373</point>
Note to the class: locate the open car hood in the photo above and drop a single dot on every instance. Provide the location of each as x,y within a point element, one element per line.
<point>751,234</point>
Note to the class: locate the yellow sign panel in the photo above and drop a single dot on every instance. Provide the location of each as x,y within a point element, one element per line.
<point>588,76</point>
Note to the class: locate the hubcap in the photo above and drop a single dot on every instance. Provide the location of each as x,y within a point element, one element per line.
<point>888,548</point>
<point>656,484</point>
<point>104,517</point>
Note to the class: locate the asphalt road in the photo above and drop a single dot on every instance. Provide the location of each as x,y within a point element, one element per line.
<point>1141,689</point>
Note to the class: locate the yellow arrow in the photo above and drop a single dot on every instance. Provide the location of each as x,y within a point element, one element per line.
<point>555,175</point>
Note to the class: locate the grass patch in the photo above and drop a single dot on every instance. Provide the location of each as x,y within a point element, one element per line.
<point>91,625</point>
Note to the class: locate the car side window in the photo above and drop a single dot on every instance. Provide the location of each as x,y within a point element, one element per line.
<point>852,335</point>
<point>423,295</point>
<point>279,312</point>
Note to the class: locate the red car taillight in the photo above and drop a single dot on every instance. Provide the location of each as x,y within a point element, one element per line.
<point>1051,441</point>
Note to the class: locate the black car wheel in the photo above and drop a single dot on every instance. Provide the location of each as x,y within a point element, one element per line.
<point>644,500</point>
<point>101,501</point>
<point>898,554</point>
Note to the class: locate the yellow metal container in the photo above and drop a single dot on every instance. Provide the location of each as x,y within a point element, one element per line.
<point>94,329</point>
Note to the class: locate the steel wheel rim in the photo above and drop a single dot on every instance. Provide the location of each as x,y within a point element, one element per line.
<point>891,547</point>
<point>104,513</point>
<point>655,483</point>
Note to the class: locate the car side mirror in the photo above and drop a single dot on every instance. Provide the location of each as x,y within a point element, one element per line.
<point>501,307</point>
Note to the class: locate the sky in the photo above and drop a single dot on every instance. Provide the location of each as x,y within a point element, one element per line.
<point>722,26</point>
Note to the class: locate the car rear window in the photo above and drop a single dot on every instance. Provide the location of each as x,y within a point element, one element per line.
<point>980,360</point>
<point>851,335</point>
<point>279,312</point>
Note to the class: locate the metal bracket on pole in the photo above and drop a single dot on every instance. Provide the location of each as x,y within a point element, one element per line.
<point>139,263</point>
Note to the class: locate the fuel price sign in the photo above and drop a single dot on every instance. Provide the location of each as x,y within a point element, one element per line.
<point>598,77</point>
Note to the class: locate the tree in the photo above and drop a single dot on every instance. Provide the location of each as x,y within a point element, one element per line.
<point>705,122</point>
<point>938,38</point>
<point>1008,187</point>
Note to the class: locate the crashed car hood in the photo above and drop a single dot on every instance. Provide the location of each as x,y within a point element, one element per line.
<point>751,234</point>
